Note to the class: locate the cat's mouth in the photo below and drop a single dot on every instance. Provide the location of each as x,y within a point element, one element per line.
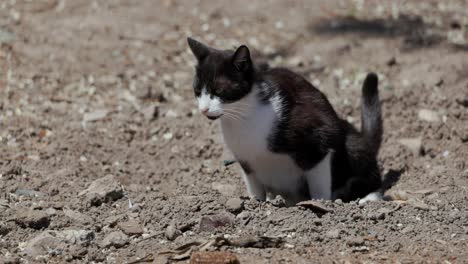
<point>214,117</point>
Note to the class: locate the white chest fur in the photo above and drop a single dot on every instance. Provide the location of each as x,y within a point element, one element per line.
<point>247,139</point>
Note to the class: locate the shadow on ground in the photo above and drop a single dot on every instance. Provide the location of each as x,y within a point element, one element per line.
<point>413,30</point>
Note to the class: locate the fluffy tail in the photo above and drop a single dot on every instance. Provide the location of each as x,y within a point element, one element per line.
<point>371,118</point>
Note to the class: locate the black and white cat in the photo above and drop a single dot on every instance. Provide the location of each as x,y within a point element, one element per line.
<point>283,131</point>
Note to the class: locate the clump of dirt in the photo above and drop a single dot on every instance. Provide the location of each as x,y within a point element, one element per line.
<point>105,159</point>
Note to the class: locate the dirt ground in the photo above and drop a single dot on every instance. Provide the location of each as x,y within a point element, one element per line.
<point>104,158</point>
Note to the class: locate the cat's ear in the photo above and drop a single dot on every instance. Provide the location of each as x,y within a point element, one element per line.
<point>200,50</point>
<point>241,59</point>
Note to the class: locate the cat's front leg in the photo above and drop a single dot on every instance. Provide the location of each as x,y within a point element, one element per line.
<point>254,187</point>
<point>319,179</point>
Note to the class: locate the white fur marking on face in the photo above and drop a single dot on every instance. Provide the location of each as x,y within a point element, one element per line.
<point>319,179</point>
<point>205,101</point>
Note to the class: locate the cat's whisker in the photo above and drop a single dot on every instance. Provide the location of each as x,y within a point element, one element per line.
<point>237,112</point>
<point>237,115</point>
<point>232,116</point>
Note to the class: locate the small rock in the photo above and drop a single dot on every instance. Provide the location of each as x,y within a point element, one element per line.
<point>361,249</point>
<point>151,112</point>
<point>234,205</point>
<point>243,215</point>
<point>172,232</point>
<point>12,260</point>
<point>428,115</point>
<point>94,116</point>
<point>278,201</point>
<point>315,206</point>
<point>51,211</point>
<point>414,144</point>
<point>30,193</point>
<point>334,233</point>
<point>224,189</point>
<point>209,223</point>
<point>6,36</point>
<point>131,228</point>
<point>4,229</point>
<point>392,62</point>
<point>57,241</point>
<point>355,241</point>
<point>32,218</point>
<point>339,201</point>
<point>215,257</point>
<point>116,239</point>
<point>407,229</point>
<point>419,204</point>
<point>103,190</point>
<point>77,216</point>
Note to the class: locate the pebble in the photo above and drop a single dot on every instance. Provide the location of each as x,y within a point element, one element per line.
<point>57,241</point>
<point>103,190</point>
<point>212,222</point>
<point>428,115</point>
<point>215,257</point>
<point>131,228</point>
<point>77,216</point>
<point>315,206</point>
<point>94,116</point>
<point>278,201</point>
<point>413,144</point>
<point>355,241</point>
<point>4,229</point>
<point>6,36</point>
<point>234,205</point>
<point>116,239</point>
<point>30,193</point>
<point>224,189</point>
<point>172,232</point>
<point>32,218</point>
<point>334,233</point>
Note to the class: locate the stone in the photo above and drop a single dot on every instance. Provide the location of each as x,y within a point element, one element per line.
<point>77,216</point>
<point>278,201</point>
<point>94,116</point>
<point>172,232</point>
<point>103,190</point>
<point>413,144</point>
<point>212,222</point>
<point>6,36</point>
<point>32,218</point>
<point>428,115</point>
<point>315,206</point>
<point>234,205</point>
<point>224,189</point>
<point>4,229</point>
<point>334,233</point>
<point>355,241</point>
<point>30,193</point>
<point>221,257</point>
<point>57,241</point>
<point>131,228</point>
<point>115,239</point>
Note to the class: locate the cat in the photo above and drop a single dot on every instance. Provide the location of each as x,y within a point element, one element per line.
<point>283,131</point>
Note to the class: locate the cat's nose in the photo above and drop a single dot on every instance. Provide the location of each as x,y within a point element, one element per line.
<point>204,111</point>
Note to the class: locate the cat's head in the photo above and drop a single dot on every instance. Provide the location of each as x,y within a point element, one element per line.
<point>222,78</point>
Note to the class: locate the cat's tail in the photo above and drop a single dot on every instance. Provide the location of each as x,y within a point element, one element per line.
<point>371,118</point>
